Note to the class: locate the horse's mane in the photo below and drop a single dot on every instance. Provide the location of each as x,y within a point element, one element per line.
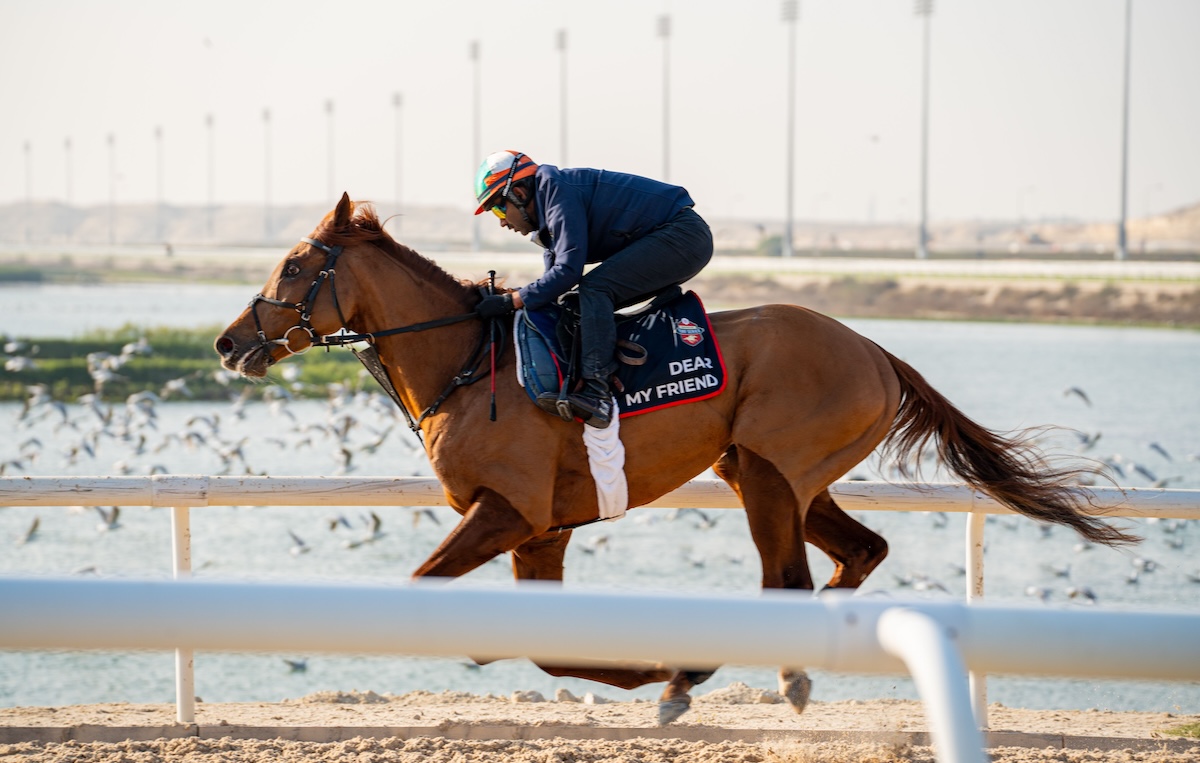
<point>365,227</point>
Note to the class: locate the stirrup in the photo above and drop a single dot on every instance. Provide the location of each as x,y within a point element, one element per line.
<point>594,403</point>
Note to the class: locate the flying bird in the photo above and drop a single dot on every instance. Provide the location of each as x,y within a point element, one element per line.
<point>1160,450</point>
<point>298,545</point>
<point>108,518</point>
<point>1078,393</point>
<point>31,533</point>
<point>1082,592</point>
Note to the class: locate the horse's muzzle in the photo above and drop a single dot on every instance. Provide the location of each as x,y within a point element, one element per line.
<point>252,360</point>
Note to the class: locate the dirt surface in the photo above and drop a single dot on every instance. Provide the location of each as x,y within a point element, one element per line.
<point>737,723</point>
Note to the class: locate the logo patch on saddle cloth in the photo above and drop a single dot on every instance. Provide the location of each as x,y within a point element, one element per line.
<point>683,361</point>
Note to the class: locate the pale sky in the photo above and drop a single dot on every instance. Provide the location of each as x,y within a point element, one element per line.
<point>1025,107</point>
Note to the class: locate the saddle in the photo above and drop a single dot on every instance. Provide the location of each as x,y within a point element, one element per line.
<point>666,351</point>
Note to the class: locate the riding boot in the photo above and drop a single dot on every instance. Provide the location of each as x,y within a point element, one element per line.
<point>594,403</point>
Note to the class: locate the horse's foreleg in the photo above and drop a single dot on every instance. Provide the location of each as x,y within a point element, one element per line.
<point>541,558</point>
<point>854,549</point>
<point>777,524</point>
<point>489,528</point>
<point>675,699</point>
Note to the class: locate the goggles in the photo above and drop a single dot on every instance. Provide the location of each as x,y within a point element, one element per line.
<point>499,209</point>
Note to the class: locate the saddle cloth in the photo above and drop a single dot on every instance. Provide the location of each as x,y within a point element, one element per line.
<point>682,361</point>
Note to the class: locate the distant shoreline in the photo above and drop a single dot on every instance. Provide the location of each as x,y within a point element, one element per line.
<point>1140,293</point>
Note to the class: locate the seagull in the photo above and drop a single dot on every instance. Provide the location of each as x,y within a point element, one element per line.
<point>1063,571</point>
<point>1088,441</point>
<point>926,583</point>
<point>1144,565</point>
<point>425,512</point>
<point>19,364</point>
<point>375,534</point>
<point>1041,592</point>
<point>599,543</point>
<point>108,518</point>
<point>297,666</point>
<point>298,545</point>
<point>1079,393</point>
<point>1082,592</point>
<point>1160,450</point>
<point>1145,472</point>
<point>31,533</point>
<point>706,522</point>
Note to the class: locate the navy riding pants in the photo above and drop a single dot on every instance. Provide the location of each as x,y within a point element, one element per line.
<point>668,255</point>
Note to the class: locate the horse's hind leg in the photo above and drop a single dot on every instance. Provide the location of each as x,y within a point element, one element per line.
<point>855,549</point>
<point>541,558</point>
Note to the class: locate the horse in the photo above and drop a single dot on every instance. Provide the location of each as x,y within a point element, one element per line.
<point>807,398</point>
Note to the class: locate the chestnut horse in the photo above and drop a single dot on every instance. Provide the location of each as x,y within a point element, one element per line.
<point>807,398</point>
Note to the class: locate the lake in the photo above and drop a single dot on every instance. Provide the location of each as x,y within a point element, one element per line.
<point>1141,389</point>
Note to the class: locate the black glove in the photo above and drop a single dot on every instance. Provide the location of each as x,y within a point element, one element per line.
<point>495,306</point>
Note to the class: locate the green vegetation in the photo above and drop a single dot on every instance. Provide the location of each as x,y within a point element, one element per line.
<point>20,274</point>
<point>1188,730</point>
<point>175,364</point>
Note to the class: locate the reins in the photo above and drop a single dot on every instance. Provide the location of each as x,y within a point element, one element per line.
<point>369,356</point>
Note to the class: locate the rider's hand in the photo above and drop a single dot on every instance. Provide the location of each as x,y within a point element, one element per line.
<point>495,306</point>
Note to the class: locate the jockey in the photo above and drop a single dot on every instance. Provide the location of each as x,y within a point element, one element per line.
<point>643,233</point>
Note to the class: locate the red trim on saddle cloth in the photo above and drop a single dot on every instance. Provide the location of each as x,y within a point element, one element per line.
<point>720,359</point>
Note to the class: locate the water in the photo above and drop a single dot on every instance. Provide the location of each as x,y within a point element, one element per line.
<point>1141,384</point>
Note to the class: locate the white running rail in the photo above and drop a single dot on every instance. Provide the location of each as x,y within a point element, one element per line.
<point>183,492</point>
<point>932,641</point>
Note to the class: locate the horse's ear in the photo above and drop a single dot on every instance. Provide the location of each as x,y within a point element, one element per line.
<point>343,213</point>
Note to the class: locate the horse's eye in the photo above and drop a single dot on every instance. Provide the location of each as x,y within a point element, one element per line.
<point>291,270</point>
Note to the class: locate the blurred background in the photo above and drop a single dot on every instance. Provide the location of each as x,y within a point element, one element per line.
<point>881,161</point>
<point>1025,126</point>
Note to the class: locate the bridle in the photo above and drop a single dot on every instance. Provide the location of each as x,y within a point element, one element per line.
<point>368,356</point>
<point>304,308</point>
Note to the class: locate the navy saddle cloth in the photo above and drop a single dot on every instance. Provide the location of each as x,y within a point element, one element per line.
<point>675,356</point>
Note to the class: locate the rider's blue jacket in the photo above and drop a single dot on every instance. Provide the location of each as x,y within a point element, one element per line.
<point>588,215</point>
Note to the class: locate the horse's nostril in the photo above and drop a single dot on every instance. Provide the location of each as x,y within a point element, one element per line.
<point>224,345</point>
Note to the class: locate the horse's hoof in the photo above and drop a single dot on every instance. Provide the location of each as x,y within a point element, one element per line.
<point>796,688</point>
<point>670,709</point>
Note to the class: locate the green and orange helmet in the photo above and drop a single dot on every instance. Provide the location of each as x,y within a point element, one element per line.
<point>497,174</point>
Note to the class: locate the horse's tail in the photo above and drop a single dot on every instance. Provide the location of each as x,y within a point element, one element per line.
<point>1008,468</point>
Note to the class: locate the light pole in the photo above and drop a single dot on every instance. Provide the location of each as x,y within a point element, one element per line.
<point>398,103</point>
<point>924,8</point>
<point>1122,252</point>
<point>212,175</point>
<point>873,139</point>
<point>664,31</point>
<point>159,227</point>
<point>67,157</point>
<point>112,188</point>
<point>476,150</point>
<point>266,175</point>
<point>562,97</point>
<point>1021,194</point>
<point>329,131</point>
<point>28,188</point>
<point>791,13</point>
